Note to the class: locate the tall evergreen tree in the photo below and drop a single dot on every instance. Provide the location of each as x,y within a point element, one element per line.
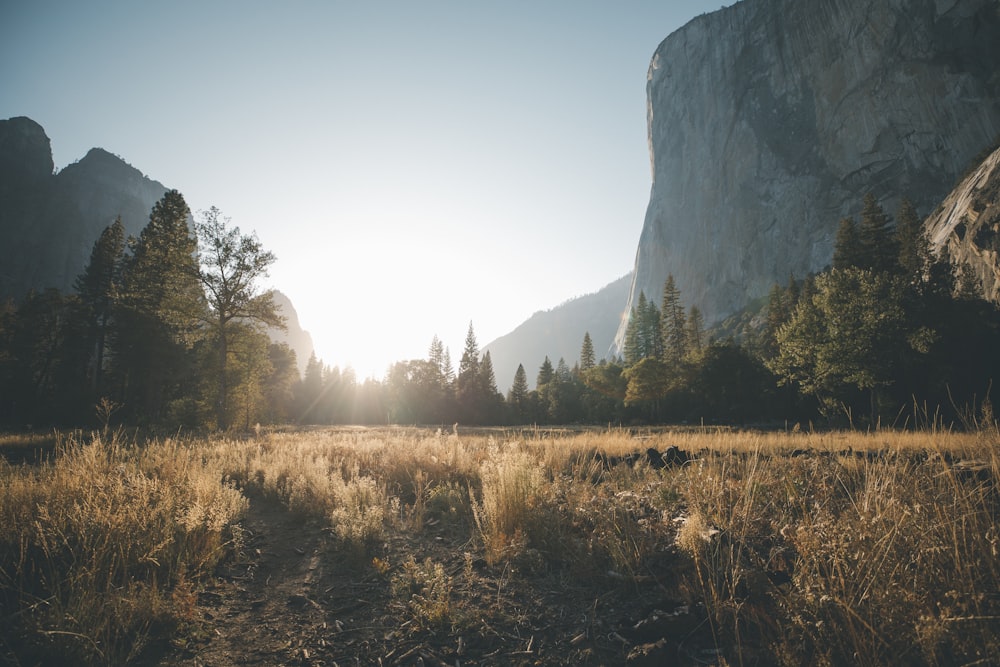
<point>98,288</point>
<point>587,359</point>
<point>161,306</point>
<point>447,370</point>
<point>643,335</point>
<point>561,396</point>
<point>634,345</point>
<point>279,389</point>
<point>545,374</point>
<point>435,354</point>
<point>694,333</point>
<point>487,376</point>
<point>673,324</point>
<point>847,250</point>
<point>517,397</point>
<point>310,391</point>
<point>468,384</point>
<point>878,245</point>
<point>439,385</point>
<point>914,248</point>
<point>491,400</point>
<point>778,311</point>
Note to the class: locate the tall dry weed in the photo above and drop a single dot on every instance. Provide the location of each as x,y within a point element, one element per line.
<point>511,488</point>
<point>92,545</point>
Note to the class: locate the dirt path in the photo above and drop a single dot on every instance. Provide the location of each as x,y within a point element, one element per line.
<point>294,599</point>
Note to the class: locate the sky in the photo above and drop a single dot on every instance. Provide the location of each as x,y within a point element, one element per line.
<point>415,165</point>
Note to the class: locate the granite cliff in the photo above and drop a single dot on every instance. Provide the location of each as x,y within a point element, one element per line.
<point>967,226</point>
<point>769,120</point>
<point>293,334</point>
<point>49,221</point>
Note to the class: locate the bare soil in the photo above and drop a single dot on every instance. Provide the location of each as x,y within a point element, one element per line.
<point>293,597</point>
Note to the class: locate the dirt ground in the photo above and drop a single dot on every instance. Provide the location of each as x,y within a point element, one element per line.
<point>292,598</point>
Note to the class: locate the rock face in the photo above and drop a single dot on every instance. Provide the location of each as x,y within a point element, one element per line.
<point>769,121</point>
<point>293,335</point>
<point>967,224</point>
<point>559,333</point>
<point>49,222</point>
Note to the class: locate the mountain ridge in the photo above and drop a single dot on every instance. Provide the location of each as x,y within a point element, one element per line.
<point>558,332</point>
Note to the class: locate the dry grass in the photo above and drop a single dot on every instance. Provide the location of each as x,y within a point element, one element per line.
<point>804,548</point>
<point>96,549</point>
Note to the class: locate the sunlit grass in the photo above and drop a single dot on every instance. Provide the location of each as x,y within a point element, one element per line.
<point>804,547</point>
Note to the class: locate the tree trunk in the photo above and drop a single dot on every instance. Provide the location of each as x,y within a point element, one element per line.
<point>223,379</point>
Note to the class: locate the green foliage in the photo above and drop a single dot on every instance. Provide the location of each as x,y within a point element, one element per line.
<point>587,358</point>
<point>914,248</point>
<point>644,333</point>
<point>231,265</point>
<point>847,250</point>
<point>846,336</point>
<point>175,339</point>
<point>647,381</point>
<point>545,374</point>
<point>673,344</point>
<point>518,397</point>
<point>160,307</point>
<point>98,288</point>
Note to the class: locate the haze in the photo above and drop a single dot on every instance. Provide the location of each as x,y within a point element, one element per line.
<point>414,166</point>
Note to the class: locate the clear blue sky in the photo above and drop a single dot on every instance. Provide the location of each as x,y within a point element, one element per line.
<point>414,165</point>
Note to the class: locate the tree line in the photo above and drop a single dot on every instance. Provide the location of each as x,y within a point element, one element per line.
<point>170,329</point>
<point>164,329</point>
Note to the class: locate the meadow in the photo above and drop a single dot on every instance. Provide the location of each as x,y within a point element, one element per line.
<point>479,547</point>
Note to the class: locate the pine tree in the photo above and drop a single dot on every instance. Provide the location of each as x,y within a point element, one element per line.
<point>545,374</point>
<point>634,344</point>
<point>435,354</point>
<point>517,397</point>
<point>162,304</point>
<point>561,395</point>
<point>914,248</point>
<point>792,293</point>
<point>778,311</point>
<point>587,360</point>
<point>673,324</point>
<point>447,370</point>
<point>279,388</point>
<point>487,377</point>
<point>847,250</point>
<point>694,333</point>
<point>440,382</point>
<point>310,391</point>
<point>468,385</point>
<point>98,288</point>
<point>878,245</point>
<point>652,328</point>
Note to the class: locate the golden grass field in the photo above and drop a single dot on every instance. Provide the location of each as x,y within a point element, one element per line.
<point>504,547</point>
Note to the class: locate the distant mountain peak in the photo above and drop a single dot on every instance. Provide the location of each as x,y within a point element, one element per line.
<point>558,332</point>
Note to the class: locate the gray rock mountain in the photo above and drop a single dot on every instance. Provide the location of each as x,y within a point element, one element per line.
<point>769,120</point>
<point>294,335</point>
<point>49,221</point>
<point>558,333</point>
<point>967,225</point>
